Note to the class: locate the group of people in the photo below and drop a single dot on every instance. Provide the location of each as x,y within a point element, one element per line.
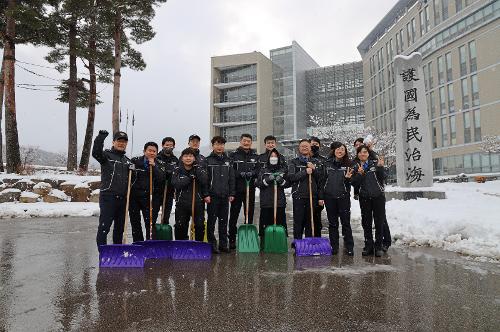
<point>221,182</point>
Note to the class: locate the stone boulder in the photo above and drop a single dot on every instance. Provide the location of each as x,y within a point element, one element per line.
<point>53,182</point>
<point>56,196</point>
<point>42,188</point>
<point>94,196</point>
<point>96,184</point>
<point>80,193</point>
<point>10,181</point>
<point>67,187</point>
<point>24,185</point>
<point>28,197</point>
<point>10,195</point>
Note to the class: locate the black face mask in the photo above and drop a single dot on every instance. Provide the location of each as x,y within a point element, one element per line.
<point>315,149</point>
<point>167,150</point>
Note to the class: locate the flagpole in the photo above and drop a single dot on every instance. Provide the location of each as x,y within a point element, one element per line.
<point>133,123</point>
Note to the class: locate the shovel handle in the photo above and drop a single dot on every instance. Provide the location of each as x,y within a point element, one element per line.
<point>164,201</point>
<point>191,231</point>
<point>275,205</point>
<point>124,235</point>
<point>311,204</point>
<point>150,201</point>
<point>247,200</point>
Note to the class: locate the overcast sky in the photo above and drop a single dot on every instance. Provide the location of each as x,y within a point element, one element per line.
<point>171,96</point>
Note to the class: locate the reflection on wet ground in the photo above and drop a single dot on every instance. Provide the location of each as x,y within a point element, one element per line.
<point>49,281</point>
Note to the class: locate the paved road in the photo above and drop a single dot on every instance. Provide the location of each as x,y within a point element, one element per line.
<point>49,280</point>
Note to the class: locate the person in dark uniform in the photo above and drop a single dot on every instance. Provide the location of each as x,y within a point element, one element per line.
<point>245,163</point>
<point>315,150</point>
<point>270,144</point>
<point>221,189</point>
<point>140,194</point>
<point>194,143</point>
<point>182,180</point>
<point>115,168</point>
<point>171,162</point>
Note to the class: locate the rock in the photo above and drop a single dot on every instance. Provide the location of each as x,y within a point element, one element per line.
<point>94,185</point>
<point>53,182</point>
<point>24,185</point>
<point>28,197</point>
<point>10,181</point>
<point>94,196</point>
<point>42,188</point>
<point>56,196</point>
<point>80,193</point>
<point>67,187</point>
<point>9,195</point>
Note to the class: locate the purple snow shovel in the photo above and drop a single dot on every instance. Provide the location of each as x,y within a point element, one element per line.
<point>123,255</point>
<point>156,249</point>
<point>190,249</point>
<point>312,246</point>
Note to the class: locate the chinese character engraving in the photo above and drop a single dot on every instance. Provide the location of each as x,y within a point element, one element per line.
<point>412,114</point>
<point>412,133</point>
<point>411,94</point>
<point>414,174</point>
<point>409,75</point>
<point>415,155</point>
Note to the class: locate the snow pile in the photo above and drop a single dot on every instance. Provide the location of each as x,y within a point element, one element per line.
<point>467,221</point>
<point>11,190</point>
<point>82,185</point>
<point>48,210</point>
<point>28,194</point>
<point>59,194</point>
<point>42,185</point>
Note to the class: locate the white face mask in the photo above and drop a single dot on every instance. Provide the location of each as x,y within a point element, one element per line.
<point>273,160</point>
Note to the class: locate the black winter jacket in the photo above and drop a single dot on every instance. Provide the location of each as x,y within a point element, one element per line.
<point>114,167</point>
<point>371,183</point>
<point>300,179</point>
<point>244,162</point>
<point>334,183</point>
<point>221,181</point>
<point>140,185</point>
<point>182,180</point>
<point>264,157</point>
<point>266,186</point>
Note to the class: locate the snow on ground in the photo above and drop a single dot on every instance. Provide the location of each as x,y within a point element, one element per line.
<point>48,210</point>
<point>467,221</point>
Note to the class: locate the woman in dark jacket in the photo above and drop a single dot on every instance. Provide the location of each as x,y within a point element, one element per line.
<point>272,173</point>
<point>336,187</point>
<point>369,178</point>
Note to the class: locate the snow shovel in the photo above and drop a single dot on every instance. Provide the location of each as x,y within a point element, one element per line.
<point>123,255</point>
<point>191,249</point>
<point>248,237</point>
<point>274,235</point>
<point>163,231</point>
<point>312,246</point>
<point>156,248</point>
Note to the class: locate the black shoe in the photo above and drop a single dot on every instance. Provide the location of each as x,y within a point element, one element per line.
<point>349,252</point>
<point>385,248</point>
<point>367,252</point>
<point>335,250</point>
<point>214,249</point>
<point>224,249</point>
<point>379,253</point>
<point>232,245</point>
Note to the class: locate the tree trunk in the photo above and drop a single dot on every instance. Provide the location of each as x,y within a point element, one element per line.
<point>89,132</point>
<point>73,95</point>
<point>11,136</point>
<point>2,87</point>
<point>117,75</point>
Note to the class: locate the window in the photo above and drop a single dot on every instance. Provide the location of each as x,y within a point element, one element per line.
<point>444,132</point>
<point>477,126</point>
<point>391,50</point>
<point>440,62</point>
<point>462,54</point>
<point>401,40</point>
<point>432,104</point>
<point>467,130</point>
<point>434,135</point>
<point>458,5</point>
<point>449,72</point>
<point>444,9</point>
<point>413,30</point>
<point>465,94</point>
<point>453,130</point>
<point>429,75</point>
<point>442,102</point>
<point>427,19</point>
<point>381,56</point>
<point>475,90</point>
<point>451,98</point>
<point>408,33</point>
<point>371,66</point>
<point>437,12</point>
<point>398,43</point>
<point>422,23</point>
<point>472,56</point>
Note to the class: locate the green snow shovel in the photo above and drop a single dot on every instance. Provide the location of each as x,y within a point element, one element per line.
<point>248,237</point>
<point>274,235</point>
<point>163,231</point>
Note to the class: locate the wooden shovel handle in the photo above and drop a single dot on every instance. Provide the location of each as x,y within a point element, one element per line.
<point>124,235</point>
<point>311,208</point>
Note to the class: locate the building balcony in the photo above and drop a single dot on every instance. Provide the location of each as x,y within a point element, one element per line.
<point>229,85</point>
<point>234,103</point>
<point>232,124</point>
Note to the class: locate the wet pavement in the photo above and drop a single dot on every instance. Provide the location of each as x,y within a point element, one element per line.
<point>50,280</point>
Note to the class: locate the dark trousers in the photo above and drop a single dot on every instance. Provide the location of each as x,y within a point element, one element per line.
<point>372,211</point>
<point>139,204</point>
<point>317,220</point>
<point>301,218</point>
<point>387,240</point>
<point>339,208</point>
<point>239,200</point>
<point>112,210</point>
<point>169,203</point>
<point>267,218</point>
<point>218,209</point>
<point>182,217</point>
